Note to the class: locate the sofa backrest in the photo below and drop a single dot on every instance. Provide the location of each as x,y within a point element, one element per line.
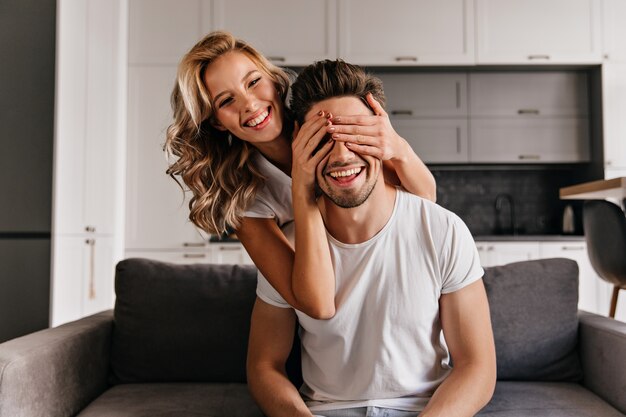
<point>534,314</point>
<point>191,322</point>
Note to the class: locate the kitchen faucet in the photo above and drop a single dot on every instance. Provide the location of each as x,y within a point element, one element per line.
<point>498,207</point>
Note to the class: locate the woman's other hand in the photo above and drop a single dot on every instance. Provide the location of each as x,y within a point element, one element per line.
<point>370,135</point>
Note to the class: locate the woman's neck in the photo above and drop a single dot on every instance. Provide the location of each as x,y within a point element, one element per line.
<point>278,152</point>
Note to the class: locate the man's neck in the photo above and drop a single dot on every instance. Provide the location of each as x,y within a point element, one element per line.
<point>359,224</point>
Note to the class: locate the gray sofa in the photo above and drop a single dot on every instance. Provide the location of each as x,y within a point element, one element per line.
<point>175,345</point>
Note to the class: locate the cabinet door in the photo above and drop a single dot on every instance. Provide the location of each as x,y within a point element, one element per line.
<point>589,284</point>
<point>406,32</point>
<point>614,109</point>
<point>613,17</point>
<point>89,94</point>
<point>156,210</point>
<point>425,95</point>
<point>528,94</point>
<point>538,31</point>
<point>99,277</point>
<point>435,140</point>
<point>161,31</point>
<point>501,253</point>
<point>192,256</point>
<point>295,32</point>
<point>229,253</point>
<point>525,140</point>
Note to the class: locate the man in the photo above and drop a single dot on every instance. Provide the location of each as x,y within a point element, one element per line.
<point>406,271</point>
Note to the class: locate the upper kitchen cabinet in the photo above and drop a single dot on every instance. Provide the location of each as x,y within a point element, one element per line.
<point>295,32</point>
<point>614,30</point>
<point>156,210</point>
<point>614,122</point>
<point>538,31</point>
<point>430,112</point>
<point>161,31</point>
<point>528,94</point>
<point>529,117</point>
<point>406,32</point>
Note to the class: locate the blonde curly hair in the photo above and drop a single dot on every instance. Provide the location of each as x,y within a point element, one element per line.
<point>213,164</point>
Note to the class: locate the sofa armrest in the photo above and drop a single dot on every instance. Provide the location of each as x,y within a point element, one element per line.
<point>603,357</point>
<point>58,371</point>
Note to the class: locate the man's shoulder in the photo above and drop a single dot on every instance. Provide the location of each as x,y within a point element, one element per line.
<point>420,205</point>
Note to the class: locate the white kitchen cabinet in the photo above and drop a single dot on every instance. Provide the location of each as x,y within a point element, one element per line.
<point>295,32</point>
<point>87,266</point>
<point>590,289</point>
<point>538,31</point>
<point>162,31</point>
<point>501,253</point>
<point>614,30</point>
<point>216,253</point>
<point>229,253</point>
<point>613,111</point>
<point>88,161</point>
<point>529,140</point>
<point>156,208</point>
<point>406,32</point>
<point>191,256</point>
<point>435,140</point>
<point>87,140</point>
<point>528,94</point>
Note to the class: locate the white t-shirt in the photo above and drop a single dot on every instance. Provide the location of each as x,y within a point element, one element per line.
<point>384,346</point>
<point>273,200</point>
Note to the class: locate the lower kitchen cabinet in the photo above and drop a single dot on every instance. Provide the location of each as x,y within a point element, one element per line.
<point>500,253</point>
<point>593,293</point>
<point>215,253</point>
<point>83,267</point>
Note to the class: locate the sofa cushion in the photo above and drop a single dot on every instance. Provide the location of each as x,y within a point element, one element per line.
<point>534,316</point>
<point>182,323</point>
<point>174,400</point>
<point>545,399</point>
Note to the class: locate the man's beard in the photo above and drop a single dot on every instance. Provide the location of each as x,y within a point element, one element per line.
<point>350,200</point>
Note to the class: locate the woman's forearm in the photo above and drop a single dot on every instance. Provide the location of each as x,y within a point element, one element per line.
<point>413,174</point>
<point>313,278</point>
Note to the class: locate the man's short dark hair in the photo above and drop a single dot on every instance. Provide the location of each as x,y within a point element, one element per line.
<point>327,79</point>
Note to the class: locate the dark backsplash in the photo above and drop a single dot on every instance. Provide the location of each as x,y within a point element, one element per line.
<point>471,194</point>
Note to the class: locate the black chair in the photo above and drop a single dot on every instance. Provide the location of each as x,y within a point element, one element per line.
<point>605,234</point>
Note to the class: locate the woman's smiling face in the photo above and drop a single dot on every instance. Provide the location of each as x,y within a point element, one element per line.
<point>245,99</point>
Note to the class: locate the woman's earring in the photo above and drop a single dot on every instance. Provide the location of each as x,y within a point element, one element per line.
<point>230,139</point>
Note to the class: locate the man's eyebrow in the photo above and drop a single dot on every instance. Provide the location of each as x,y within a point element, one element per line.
<point>242,80</point>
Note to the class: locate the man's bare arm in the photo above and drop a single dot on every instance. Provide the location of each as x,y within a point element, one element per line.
<point>271,339</point>
<point>467,329</point>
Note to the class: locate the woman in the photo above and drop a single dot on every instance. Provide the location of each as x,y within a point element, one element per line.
<point>233,139</point>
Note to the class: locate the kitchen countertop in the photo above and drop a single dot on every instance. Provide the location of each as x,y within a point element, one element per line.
<point>611,188</point>
<point>529,238</point>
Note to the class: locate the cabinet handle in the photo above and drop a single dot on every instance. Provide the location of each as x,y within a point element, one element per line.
<point>402,112</point>
<point>458,139</point>
<point>609,163</point>
<point>529,157</point>
<point>90,229</point>
<point>406,58</point>
<point>229,248</point>
<point>532,57</point>
<point>490,248</point>
<point>194,245</point>
<point>528,111</point>
<point>458,95</point>
<point>92,268</point>
<point>194,255</point>
<point>277,58</point>
<point>573,248</point>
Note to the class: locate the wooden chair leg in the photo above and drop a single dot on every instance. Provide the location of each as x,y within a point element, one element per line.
<point>616,289</point>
